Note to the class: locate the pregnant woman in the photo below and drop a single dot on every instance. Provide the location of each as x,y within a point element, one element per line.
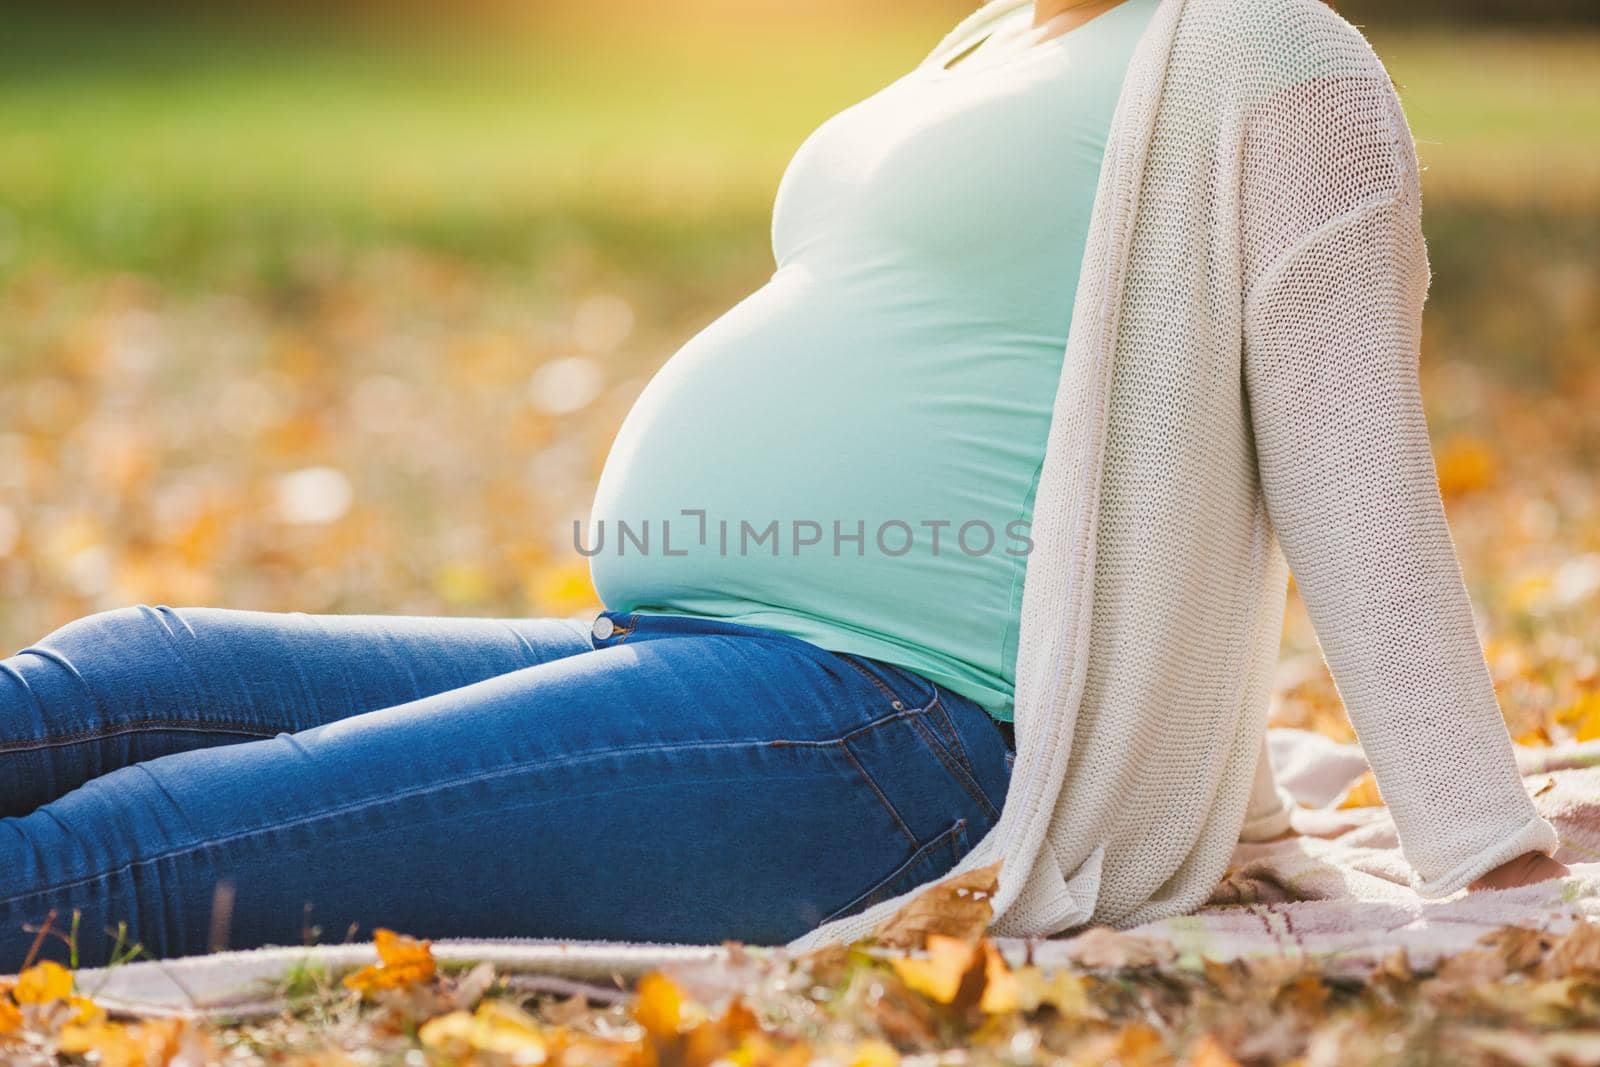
<point>964,538</point>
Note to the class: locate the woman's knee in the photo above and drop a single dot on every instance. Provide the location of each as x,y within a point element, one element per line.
<point>119,627</point>
<point>99,660</point>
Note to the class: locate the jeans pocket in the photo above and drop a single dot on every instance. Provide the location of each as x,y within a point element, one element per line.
<point>925,863</point>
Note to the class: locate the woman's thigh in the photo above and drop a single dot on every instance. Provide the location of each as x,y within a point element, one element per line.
<point>121,686</point>
<point>691,786</point>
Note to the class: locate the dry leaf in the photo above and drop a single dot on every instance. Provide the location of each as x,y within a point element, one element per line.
<point>402,961</point>
<point>948,963</point>
<point>1583,716</point>
<point>495,1027</point>
<point>1101,948</point>
<point>1306,995</point>
<point>660,1007</point>
<point>908,1019</point>
<point>1518,947</point>
<point>1061,989</point>
<point>1135,1045</point>
<point>152,1043</point>
<point>960,907</point>
<point>716,1039</point>
<point>1576,953</point>
<point>42,983</point>
<point>1468,970</point>
<point>1465,465</point>
<point>1208,1053</point>
<point>874,1053</point>
<point>1001,991</point>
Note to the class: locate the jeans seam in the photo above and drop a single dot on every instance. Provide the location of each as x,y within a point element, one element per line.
<point>854,731</point>
<point>939,713</point>
<point>894,813</point>
<point>139,726</point>
<point>875,893</point>
<point>959,773</point>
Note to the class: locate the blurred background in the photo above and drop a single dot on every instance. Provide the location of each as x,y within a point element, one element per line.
<point>335,308</point>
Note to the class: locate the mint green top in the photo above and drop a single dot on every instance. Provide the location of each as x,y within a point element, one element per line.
<point>849,454</point>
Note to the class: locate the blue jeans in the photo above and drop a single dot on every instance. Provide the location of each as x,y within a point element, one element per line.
<point>214,778</point>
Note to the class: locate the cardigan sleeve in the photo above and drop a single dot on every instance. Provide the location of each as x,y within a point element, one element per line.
<point>1331,334</point>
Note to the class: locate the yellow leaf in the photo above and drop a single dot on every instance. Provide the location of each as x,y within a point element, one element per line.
<point>111,1043</point>
<point>939,973</point>
<point>1583,716</point>
<point>1538,737</point>
<point>874,1052</point>
<point>660,1006</point>
<point>1465,465</point>
<point>87,1010</point>
<point>1001,991</point>
<point>42,983</point>
<point>402,961</point>
<point>496,1027</point>
<point>1363,793</point>
<point>1062,990</point>
<point>1208,1053</point>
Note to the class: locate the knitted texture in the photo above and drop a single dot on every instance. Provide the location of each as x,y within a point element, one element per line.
<point>1239,398</point>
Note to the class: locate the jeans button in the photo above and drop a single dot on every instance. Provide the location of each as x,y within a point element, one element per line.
<point>603,628</point>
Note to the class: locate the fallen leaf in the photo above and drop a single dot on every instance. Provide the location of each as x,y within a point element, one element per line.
<point>495,1027</point>
<point>42,983</point>
<point>960,907</point>
<point>716,1039</point>
<point>1575,953</point>
<point>1518,947</point>
<point>1208,1053</point>
<point>1306,995</point>
<point>1101,948</point>
<point>1465,465</point>
<point>944,968</point>
<point>660,1007</point>
<point>402,961</point>
<point>874,1053</point>
<point>86,1010</point>
<point>1583,716</point>
<point>1001,991</point>
<point>1135,1045</point>
<point>152,1043</point>
<point>1061,989</point>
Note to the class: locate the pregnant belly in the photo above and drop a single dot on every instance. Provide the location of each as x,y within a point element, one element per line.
<point>818,462</point>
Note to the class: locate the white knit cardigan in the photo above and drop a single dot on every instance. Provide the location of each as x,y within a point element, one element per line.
<point>1239,398</point>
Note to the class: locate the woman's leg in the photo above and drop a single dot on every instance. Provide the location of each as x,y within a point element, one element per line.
<point>682,782</point>
<point>114,688</point>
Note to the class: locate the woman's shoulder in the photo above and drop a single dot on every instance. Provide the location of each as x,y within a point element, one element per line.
<point>1281,42</point>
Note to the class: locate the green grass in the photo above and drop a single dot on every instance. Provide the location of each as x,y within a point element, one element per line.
<point>206,149</point>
